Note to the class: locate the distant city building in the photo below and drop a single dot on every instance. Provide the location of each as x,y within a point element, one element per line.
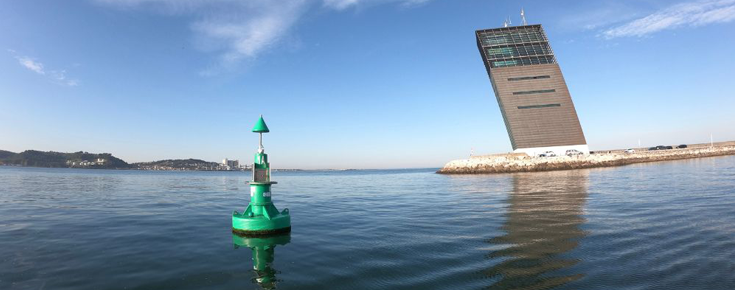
<point>85,163</point>
<point>533,97</point>
<point>230,164</point>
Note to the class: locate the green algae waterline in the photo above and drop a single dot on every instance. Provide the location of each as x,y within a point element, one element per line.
<point>261,217</point>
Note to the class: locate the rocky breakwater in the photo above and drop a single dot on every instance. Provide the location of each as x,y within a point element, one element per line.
<point>520,162</point>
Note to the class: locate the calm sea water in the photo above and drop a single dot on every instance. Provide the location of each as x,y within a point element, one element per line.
<point>654,226</point>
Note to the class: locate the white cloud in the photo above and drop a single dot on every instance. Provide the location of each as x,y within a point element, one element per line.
<point>59,77</point>
<point>234,29</point>
<point>593,15</point>
<point>31,64</point>
<point>245,33</point>
<point>340,4</point>
<point>56,76</point>
<point>689,14</point>
<point>414,2</point>
<point>344,4</point>
<point>241,29</point>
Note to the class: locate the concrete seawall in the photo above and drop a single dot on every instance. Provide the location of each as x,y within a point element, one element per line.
<point>520,162</point>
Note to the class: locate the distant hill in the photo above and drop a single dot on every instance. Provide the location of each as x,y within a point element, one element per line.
<point>58,159</point>
<point>4,154</point>
<point>81,159</point>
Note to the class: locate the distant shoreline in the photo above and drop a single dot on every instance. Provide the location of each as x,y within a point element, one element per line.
<point>244,170</point>
<point>515,162</point>
<point>113,168</point>
<point>86,160</point>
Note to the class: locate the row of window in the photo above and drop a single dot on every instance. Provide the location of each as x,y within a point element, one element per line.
<point>498,38</point>
<point>528,78</point>
<point>524,61</point>
<point>534,92</point>
<point>539,106</point>
<point>519,50</point>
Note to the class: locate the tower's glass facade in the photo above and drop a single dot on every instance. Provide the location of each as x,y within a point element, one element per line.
<point>516,46</point>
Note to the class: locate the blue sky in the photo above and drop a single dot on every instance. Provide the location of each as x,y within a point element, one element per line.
<point>347,83</point>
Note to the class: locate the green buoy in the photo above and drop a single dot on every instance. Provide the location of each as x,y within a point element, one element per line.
<point>264,253</point>
<point>261,217</point>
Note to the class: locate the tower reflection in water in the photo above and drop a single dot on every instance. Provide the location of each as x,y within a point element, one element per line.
<point>542,227</point>
<point>263,249</point>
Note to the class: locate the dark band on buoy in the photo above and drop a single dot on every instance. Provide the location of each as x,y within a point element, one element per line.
<point>262,233</point>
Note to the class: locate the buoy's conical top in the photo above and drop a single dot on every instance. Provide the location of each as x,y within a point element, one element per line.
<point>260,126</point>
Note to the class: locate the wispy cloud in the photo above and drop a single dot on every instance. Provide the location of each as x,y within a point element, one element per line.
<point>245,33</point>
<point>59,76</point>
<point>340,4</point>
<point>234,30</point>
<point>593,15</point>
<point>56,76</point>
<point>31,64</point>
<point>344,4</point>
<point>238,30</point>
<point>690,14</point>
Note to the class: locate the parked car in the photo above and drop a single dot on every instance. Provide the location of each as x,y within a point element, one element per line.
<point>573,152</point>
<point>653,148</point>
<point>668,147</point>
<point>547,154</point>
<point>629,151</point>
<point>682,146</point>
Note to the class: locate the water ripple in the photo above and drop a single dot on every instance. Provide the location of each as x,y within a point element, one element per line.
<point>647,226</point>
